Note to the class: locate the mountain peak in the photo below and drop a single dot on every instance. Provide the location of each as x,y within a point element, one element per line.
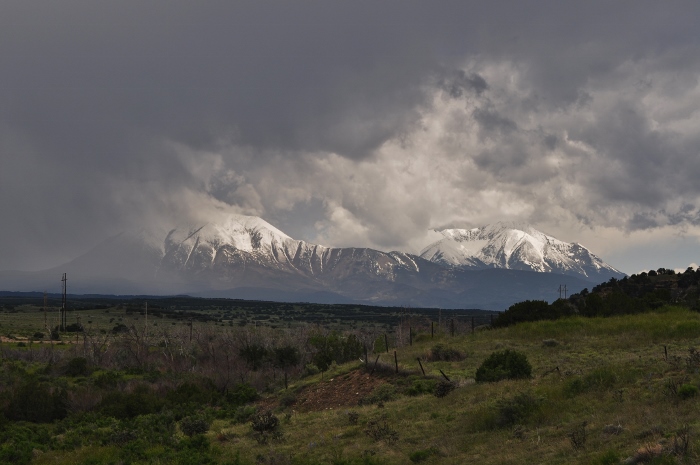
<point>515,245</point>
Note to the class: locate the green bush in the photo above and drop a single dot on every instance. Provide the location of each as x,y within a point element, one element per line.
<point>421,386</point>
<point>36,402</point>
<point>123,405</point>
<point>533,310</point>
<point>77,366</point>
<point>445,354</point>
<point>609,457</point>
<point>602,378</point>
<point>382,393</point>
<point>517,410</point>
<point>243,414</point>
<point>421,455</point>
<point>190,393</point>
<point>506,364</point>
<point>107,379</point>
<point>334,347</point>
<point>444,387</point>
<point>241,394</point>
<point>574,387</point>
<point>194,425</point>
<point>687,391</point>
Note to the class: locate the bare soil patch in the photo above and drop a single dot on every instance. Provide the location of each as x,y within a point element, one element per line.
<point>344,390</point>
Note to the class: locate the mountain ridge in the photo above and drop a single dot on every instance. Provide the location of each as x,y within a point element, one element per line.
<point>246,256</point>
<point>513,245</point>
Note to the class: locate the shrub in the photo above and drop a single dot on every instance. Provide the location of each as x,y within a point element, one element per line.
<point>382,393</point>
<point>353,417</point>
<point>265,423</point>
<point>310,369</point>
<point>687,391</point>
<point>194,425</point>
<point>77,366</point>
<point>334,348</point>
<point>124,405</point>
<point>107,379</point>
<point>601,378</point>
<point>189,393</point>
<point>243,414</point>
<point>36,402</point>
<point>379,430</point>
<point>532,310</point>
<point>444,387</point>
<point>574,387</point>
<point>421,455</point>
<point>441,353</point>
<point>241,394</point>
<point>254,355</point>
<point>517,410</point>
<point>507,364</point>
<point>421,386</point>
<point>288,399</point>
<point>578,436</point>
<point>609,457</point>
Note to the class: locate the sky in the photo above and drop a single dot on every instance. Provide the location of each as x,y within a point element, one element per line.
<point>352,123</point>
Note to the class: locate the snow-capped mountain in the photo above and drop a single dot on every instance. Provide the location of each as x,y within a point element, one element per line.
<point>516,246</point>
<point>245,245</point>
<point>246,257</point>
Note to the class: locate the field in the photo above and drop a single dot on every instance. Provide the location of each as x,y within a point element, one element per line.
<point>23,314</point>
<point>601,390</point>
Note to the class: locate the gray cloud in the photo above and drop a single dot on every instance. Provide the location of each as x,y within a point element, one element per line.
<point>351,123</point>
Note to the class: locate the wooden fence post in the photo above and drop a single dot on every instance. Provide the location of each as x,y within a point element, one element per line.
<point>421,365</point>
<point>375,365</point>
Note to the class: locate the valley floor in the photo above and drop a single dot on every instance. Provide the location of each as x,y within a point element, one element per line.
<point>603,390</point>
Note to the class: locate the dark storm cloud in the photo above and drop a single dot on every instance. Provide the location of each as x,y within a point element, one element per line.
<point>112,113</point>
<point>457,82</point>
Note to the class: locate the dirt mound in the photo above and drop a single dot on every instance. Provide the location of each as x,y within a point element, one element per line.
<point>344,390</point>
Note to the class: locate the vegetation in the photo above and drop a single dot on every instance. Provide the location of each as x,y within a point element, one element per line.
<point>506,364</point>
<point>616,386</point>
<point>634,294</point>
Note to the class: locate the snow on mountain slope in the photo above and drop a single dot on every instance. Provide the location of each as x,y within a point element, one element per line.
<point>516,246</point>
<point>245,246</point>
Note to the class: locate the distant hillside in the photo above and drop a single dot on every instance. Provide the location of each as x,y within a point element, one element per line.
<point>632,294</point>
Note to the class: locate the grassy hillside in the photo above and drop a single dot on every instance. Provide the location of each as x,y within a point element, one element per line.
<point>602,390</point>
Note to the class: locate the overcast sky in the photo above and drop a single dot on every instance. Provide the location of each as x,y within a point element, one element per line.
<point>352,123</point>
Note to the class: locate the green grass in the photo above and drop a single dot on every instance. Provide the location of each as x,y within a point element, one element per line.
<point>601,371</point>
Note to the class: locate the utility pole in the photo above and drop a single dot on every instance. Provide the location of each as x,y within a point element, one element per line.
<point>562,290</point>
<point>46,321</point>
<point>64,317</point>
